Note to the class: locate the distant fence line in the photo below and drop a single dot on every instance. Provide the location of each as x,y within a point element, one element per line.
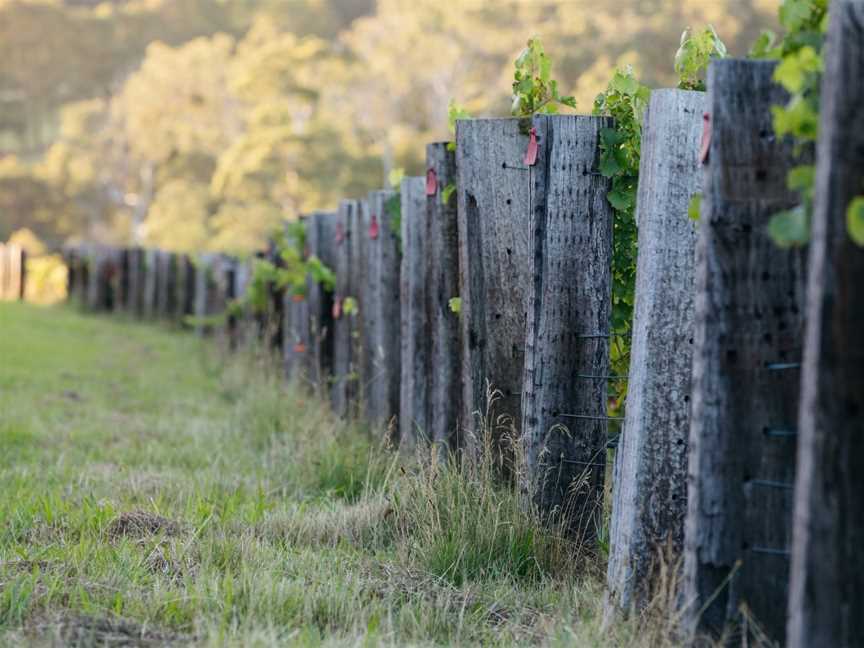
<point>706,461</point>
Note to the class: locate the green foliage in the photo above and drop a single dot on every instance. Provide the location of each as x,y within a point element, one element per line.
<point>625,99</point>
<point>790,228</point>
<point>694,54</point>
<point>855,220</point>
<point>455,304</point>
<point>695,206</point>
<point>320,273</point>
<point>393,207</point>
<point>454,111</point>
<point>447,193</point>
<point>350,306</point>
<point>799,71</point>
<point>534,89</point>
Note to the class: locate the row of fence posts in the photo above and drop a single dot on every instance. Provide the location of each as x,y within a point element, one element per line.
<point>720,458</point>
<point>13,272</point>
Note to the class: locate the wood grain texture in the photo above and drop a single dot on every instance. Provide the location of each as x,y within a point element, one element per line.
<point>344,385</point>
<point>569,297</point>
<point>827,579</point>
<point>415,334</point>
<point>649,486</point>
<point>442,276</point>
<point>748,327</point>
<point>494,207</point>
<point>383,271</point>
<point>319,236</point>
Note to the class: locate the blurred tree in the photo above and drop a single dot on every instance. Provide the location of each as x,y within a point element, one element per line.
<point>202,124</point>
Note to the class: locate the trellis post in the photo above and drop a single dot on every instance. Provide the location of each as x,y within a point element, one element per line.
<point>415,332</point>
<point>826,606</point>
<point>649,486</point>
<point>746,361</point>
<point>569,293</point>
<point>442,277</point>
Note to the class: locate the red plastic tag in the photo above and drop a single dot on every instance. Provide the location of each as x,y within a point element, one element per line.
<point>299,348</point>
<point>340,233</point>
<point>705,145</point>
<point>531,153</point>
<point>431,182</point>
<point>337,308</point>
<point>373,227</point>
<point>298,298</point>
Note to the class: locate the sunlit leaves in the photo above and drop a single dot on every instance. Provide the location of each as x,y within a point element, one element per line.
<point>790,228</point>
<point>692,58</point>
<point>534,89</point>
<point>792,71</point>
<point>855,220</point>
<point>625,99</point>
<point>694,208</point>
<point>455,305</point>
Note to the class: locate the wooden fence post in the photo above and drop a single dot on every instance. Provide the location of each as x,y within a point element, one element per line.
<point>368,310</point>
<point>319,359</point>
<point>151,271</point>
<point>344,384</point>
<point>415,332</point>
<point>569,295</point>
<point>358,287</point>
<point>826,606</point>
<point>165,283</point>
<point>442,276</point>
<point>383,278</point>
<point>494,205</point>
<point>746,361</point>
<point>135,292</point>
<point>649,487</point>
<point>295,320</point>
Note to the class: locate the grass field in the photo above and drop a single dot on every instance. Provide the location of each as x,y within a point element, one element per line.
<point>155,491</point>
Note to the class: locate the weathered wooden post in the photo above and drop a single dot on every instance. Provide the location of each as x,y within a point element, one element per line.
<point>358,286</point>
<point>151,271</point>
<point>134,295</point>
<point>442,276</point>
<point>746,355</point>
<point>295,312</point>
<point>367,294</point>
<point>383,276</point>
<point>415,333</point>
<point>320,233</point>
<point>569,294</point>
<point>22,274</point>
<point>166,283</point>
<point>344,384</point>
<point>494,206</point>
<point>122,282</point>
<point>649,487</point>
<point>826,604</point>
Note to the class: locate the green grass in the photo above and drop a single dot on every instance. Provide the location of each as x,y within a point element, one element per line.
<point>155,490</point>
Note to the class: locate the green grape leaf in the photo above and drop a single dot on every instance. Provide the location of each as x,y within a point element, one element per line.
<point>447,192</point>
<point>790,228</point>
<point>855,220</point>
<point>763,47</point>
<point>694,209</point>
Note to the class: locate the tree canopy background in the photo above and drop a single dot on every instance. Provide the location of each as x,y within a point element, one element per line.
<point>202,124</point>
